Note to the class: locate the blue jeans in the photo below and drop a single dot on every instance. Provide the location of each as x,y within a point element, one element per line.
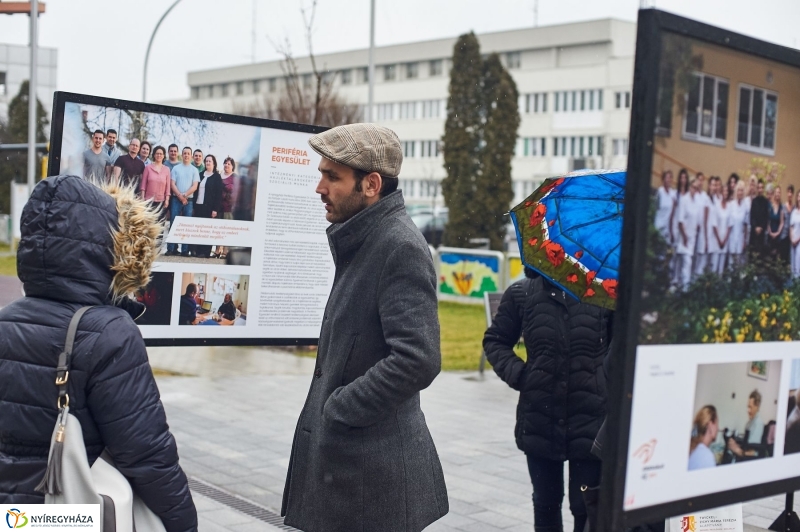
<point>547,477</point>
<point>176,208</point>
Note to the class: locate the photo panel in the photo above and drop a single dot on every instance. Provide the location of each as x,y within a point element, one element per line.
<point>213,299</point>
<point>242,219</point>
<point>157,299</point>
<point>735,412</point>
<point>709,307</point>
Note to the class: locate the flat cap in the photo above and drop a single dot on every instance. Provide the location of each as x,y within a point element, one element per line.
<point>366,147</point>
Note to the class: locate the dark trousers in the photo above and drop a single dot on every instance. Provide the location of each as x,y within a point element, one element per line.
<point>547,477</point>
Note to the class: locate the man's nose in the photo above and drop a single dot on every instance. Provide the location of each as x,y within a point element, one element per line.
<point>321,190</point>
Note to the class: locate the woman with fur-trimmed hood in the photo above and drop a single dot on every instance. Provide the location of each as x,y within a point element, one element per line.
<point>86,245</point>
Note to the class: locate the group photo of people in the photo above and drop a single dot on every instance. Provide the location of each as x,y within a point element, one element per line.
<point>185,167</point>
<point>716,223</point>
<point>735,413</point>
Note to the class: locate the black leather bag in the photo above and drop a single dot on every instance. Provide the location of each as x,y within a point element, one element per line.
<point>591,497</point>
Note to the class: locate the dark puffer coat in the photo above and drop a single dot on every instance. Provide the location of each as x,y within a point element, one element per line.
<point>562,385</point>
<point>64,260</point>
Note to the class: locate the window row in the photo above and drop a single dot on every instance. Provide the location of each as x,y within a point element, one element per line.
<point>420,188</point>
<point>421,148</point>
<point>432,188</point>
<point>577,146</point>
<point>706,114</point>
<point>424,109</point>
<point>579,100</point>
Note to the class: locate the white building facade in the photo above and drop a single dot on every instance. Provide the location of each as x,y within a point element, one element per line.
<point>15,61</point>
<point>574,82</point>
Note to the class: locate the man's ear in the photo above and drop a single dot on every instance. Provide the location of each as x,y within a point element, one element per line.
<point>372,185</point>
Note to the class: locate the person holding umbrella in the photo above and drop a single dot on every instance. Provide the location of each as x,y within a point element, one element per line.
<point>563,310</point>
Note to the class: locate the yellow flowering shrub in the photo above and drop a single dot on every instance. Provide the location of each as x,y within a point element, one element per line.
<point>768,318</point>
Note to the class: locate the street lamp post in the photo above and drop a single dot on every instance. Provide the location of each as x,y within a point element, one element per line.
<point>32,97</point>
<point>371,71</point>
<point>149,45</point>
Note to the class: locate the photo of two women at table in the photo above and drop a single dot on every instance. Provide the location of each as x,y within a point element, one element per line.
<point>735,413</point>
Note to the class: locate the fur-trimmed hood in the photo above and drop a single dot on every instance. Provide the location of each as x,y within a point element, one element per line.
<point>86,243</point>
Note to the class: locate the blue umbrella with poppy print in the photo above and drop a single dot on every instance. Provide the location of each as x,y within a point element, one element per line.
<point>570,231</point>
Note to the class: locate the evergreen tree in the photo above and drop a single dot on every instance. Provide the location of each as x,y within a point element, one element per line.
<point>14,164</point>
<point>494,189</point>
<point>462,131</point>
<point>17,127</point>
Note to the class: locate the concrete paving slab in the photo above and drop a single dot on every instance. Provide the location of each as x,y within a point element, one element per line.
<point>235,412</point>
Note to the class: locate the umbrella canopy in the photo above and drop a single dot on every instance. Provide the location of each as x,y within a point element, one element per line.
<point>570,231</point>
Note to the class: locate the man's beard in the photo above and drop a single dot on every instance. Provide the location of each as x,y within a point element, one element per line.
<point>348,207</point>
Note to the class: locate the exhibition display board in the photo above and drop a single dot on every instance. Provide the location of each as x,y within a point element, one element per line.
<point>706,381</point>
<point>245,258</point>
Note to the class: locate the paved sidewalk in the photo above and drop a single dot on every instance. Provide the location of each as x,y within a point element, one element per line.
<point>10,289</point>
<point>234,418</point>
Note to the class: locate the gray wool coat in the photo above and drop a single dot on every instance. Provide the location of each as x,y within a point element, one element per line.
<point>363,459</point>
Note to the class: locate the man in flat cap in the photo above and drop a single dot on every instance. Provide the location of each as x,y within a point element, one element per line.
<point>362,457</point>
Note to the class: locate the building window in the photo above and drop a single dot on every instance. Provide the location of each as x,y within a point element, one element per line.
<point>536,102</point>
<point>256,86</point>
<point>224,89</point>
<point>306,81</point>
<point>622,100</point>
<point>195,91</point>
<point>600,99</point>
<point>533,147</point>
<point>513,60</point>
<point>620,147</point>
<point>3,86</point>
<point>363,75</point>
<point>412,70</point>
<point>240,87</point>
<point>435,67</point>
<point>758,117</point>
<point>430,109</point>
<point>429,148</point>
<point>385,111</point>
<point>346,76</point>
<point>408,110</point>
<point>389,72</point>
<point>408,148</point>
<point>706,116</point>
<point>272,84</point>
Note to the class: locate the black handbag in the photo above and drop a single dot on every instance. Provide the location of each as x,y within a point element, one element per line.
<point>591,497</point>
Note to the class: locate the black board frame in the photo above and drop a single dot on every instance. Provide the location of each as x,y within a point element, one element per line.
<point>60,99</point>
<point>652,25</point>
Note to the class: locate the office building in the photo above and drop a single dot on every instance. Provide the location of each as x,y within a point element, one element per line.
<point>15,68</point>
<point>574,82</point>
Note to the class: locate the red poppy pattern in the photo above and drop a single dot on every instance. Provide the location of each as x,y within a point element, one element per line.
<point>551,223</point>
<point>533,241</point>
<point>589,293</point>
<point>610,286</point>
<point>572,278</point>
<point>538,215</point>
<point>554,253</point>
<point>590,277</point>
<point>578,254</point>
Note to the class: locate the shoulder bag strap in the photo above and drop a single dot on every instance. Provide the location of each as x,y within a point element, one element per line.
<point>52,482</point>
<point>62,371</point>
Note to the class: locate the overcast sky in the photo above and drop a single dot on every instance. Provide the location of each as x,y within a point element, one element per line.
<point>101,43</point>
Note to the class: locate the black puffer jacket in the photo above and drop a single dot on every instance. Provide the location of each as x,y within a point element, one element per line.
<point>64,260</point>
<point>562,386</point>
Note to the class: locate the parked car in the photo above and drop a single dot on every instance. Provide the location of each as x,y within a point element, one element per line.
<point>431,225</point>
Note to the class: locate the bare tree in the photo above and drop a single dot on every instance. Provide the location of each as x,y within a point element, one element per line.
<point>305,98</point>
